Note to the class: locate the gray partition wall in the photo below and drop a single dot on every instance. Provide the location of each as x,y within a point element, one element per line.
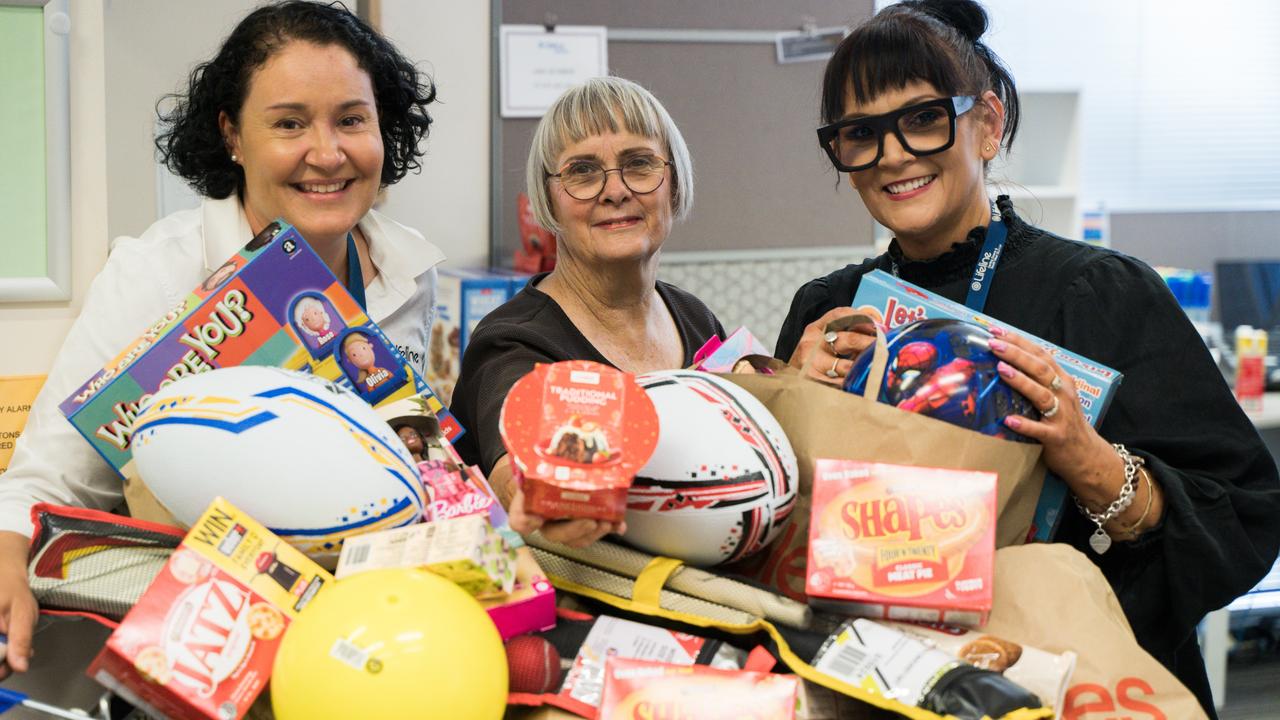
<point>762,180</point>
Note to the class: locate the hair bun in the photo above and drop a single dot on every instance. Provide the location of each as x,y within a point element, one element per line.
<point>966,16</point>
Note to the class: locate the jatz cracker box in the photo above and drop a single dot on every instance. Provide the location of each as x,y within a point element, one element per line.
<point>273,303</point>
<point>577,432</point>
<point>202,639</point>
<point>643,689</point>
<point>902,543</point>
<point>897,303</point>
<point>463,298</point>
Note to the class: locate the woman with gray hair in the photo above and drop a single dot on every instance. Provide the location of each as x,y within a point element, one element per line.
<point>608,173</point>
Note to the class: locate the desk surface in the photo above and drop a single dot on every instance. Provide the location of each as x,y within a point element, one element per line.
<point>1269,417</point>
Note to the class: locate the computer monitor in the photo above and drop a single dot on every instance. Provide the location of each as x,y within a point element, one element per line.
<point>1248,293</point>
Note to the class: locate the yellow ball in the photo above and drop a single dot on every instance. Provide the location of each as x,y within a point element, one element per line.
<point>391,644</point>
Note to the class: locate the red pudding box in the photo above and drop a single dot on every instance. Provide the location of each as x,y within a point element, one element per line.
<point>201,641</point>
<point>899,542</point>
<point>577,432</point>
<point>642,689</point>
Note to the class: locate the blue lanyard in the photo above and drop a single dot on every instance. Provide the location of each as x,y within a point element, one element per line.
<point>985,270</point>
<point>355,276</point>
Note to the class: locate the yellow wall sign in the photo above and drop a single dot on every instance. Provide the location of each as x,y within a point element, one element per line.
<point>16,396</point>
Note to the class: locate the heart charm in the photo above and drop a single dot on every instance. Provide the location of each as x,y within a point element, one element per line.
<point>1100,541</point>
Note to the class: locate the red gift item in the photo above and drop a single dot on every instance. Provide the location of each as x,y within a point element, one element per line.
<point>643,689</point>
<point>577,432</point>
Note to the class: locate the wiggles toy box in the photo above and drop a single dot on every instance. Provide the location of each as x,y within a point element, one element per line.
<point>896,303</point>
<point>273,303</point>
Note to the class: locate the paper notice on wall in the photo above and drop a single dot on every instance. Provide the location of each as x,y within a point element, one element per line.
<point>539,64</point>
<point>16,396</point>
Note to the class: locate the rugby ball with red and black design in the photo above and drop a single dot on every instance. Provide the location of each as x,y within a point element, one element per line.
<point>723,479</point>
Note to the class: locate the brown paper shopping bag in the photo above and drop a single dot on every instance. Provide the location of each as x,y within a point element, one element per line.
<point>826,422</point>
<point>1052,597</point>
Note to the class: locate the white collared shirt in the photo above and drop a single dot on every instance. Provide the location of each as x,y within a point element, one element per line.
<point>143,278</point>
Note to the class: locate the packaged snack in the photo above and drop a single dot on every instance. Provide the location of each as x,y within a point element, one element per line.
<point>201,640</point>
<point>881,660</point>
<point>644,689</point>
<point>1044,673</point>
<point>611,637</point>
<point>724,356</point>
<point>902,542</point>
<point>895,302</point>
<point>577,431</point>
<point>273,303</point>
<point>466,550</point>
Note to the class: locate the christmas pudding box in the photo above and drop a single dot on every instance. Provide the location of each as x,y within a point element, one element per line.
<point>895,303</point>
<point>899,542</point>
<point>273,303</point>
<point>201,640</point>
<point>577,432</point>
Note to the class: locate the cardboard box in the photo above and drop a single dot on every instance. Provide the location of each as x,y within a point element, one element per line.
<point>897,303</point>
<point>902,543</point>
<point>463,298</point>
<point>721,356</point>
<point>273,303</point>
<point>641,689</point>
<point>466,550</point>
<point>577,432</point>
<point>202,639</point>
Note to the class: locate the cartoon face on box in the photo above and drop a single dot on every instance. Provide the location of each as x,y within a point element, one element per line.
<point>884,532</point>
<point>368,363</point>
<point>316,322</point>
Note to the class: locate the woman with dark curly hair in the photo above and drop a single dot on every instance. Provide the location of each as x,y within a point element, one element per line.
<point>304,113</point>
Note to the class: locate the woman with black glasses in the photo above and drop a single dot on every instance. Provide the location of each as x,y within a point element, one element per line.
<point>1178,497</point>
<point>608,173</point>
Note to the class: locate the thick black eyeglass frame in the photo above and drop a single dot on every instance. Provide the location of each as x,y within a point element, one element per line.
<point>621,175</point>
<point>955,106</point>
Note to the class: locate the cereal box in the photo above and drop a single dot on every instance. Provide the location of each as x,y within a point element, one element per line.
<point>201,640</point>
<point>901,542</point>
<point>463,298</point>
<point>577,432</point>
<point>642,689</point>
<point>896,303</point>
<point>273,303</point>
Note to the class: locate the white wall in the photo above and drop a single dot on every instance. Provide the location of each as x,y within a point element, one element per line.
<point>41,326</point>
<point>449,200</point>
<point>148,48</point>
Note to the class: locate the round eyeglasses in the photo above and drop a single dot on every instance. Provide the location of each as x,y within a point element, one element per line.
<point>585,179</point>
<point>922,129</point>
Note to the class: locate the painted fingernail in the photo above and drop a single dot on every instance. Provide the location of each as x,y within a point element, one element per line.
<point>998,345</point>
<point>1005,369</point>
<point>997,331</point>
<point>1013,421</point>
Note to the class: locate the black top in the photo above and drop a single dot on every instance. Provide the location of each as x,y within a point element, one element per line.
<point>1221,528</point>
<point>531,328</point>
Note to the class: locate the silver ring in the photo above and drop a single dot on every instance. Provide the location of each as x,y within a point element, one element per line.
<point>1056,384</point>
<point>830,338</point>
<point>1051,411</point>
<point>833,374</point>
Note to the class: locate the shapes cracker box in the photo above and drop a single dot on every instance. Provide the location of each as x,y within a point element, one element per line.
<point>202,639</point>
<point>577,432</point>
<point>897,303</point>
<point>899,542</point>
<point>463,298</point>
<point>273,303</point>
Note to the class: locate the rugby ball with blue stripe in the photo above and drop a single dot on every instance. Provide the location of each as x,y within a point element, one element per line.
<point>300,454</point>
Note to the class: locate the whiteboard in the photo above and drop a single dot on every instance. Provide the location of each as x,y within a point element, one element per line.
<point>35,177</point>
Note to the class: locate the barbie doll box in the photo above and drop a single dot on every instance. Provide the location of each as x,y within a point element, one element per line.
<point>895,303</point>
<point>201,640</point>
<point>900,542</point>
<point>577,432</point>
<point>273,303</point>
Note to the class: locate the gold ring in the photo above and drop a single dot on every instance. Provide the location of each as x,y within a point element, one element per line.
<point>1051,411</point>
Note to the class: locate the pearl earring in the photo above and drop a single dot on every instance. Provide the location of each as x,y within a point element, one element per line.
<point>234,158</point>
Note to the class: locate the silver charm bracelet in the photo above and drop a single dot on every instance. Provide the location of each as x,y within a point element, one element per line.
<point>1100,541</point>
